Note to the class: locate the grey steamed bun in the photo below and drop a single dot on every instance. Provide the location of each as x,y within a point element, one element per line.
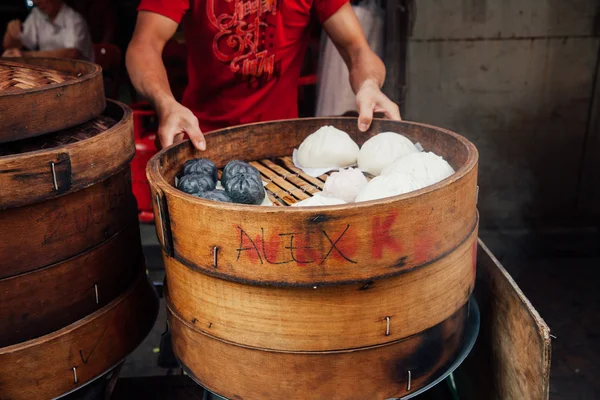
<point>202,166</point>
<point>196,183</point>
<point>245,188</point>
<point>215,195</point>
<point>235,167</point>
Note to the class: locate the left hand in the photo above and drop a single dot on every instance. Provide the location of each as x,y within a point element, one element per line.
<point>12,53</point>
<point>370,99</point>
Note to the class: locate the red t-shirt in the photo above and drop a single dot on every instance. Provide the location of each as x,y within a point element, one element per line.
<point>244,57</point>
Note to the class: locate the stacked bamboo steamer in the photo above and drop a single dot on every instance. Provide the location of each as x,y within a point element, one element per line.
<point>74,296</point>
<point>358,301</point>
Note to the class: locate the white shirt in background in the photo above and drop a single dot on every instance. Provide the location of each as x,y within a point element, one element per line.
<point>69,30</point>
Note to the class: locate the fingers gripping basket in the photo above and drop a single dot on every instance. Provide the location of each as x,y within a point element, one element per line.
<point>368,285</point>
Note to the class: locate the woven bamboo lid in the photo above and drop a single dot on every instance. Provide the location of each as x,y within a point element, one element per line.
<point>37,169</point>
<point>39,95</point>
<point>17,77</point>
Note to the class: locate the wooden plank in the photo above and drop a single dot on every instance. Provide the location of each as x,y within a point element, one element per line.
<point>289,163</point>
<point>282,183</point>
<point>511,359</point>
<point>274,199</point>
<point>295,179</point>
<point>279,195</point>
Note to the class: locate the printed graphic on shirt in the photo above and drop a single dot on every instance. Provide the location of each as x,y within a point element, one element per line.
<point>240,37</point>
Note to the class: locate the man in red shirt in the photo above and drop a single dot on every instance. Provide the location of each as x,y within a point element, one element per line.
<point>244,60</point>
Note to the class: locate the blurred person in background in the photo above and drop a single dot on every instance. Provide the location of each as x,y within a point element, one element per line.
<point>244,60</point>
<point>100,16</point>
<point>52,29</point>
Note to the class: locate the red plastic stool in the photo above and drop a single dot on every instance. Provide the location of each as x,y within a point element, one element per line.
<point>145,126</point>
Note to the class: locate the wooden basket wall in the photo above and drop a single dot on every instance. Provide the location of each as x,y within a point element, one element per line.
<point>62,361</point>
<point>42,95</point>
<point>38,169</point>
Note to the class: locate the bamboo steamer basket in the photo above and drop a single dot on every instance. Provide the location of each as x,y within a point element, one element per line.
<point>373,240</point>
<point>376,372</point>
<point>47,299</point>
<point>64,360</point>
<point>66,192</point>
<point>72,279</point>
<point>39,169</point>
<point>307,319</point>
<point>44,233</point>
<point>294,283</point>
<point>42,95</point>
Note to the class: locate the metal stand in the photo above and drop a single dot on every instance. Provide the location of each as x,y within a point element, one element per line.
<point>471,332</point>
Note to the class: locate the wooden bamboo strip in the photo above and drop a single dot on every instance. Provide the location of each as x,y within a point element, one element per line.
<point>292,177</point>
<point>44,95</point>
<point>282,183</point>
<point>289,163</point>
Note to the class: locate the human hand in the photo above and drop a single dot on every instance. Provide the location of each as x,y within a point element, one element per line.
<point>14,28</point>
<point>370,99</point>
<point>12,53</point>
<point>175,121</point>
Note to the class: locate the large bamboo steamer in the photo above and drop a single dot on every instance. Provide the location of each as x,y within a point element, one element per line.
<point>374,239</point>
<point>327,318</point>
<point>65,192</point>
<point>317,281</point>
<point>72,281</point>
<point>47,299</point>
<point>42,95</point>
<point>39,169</point>
<point>64,360</point>
<point>41,234</point>
<point>376,372</point>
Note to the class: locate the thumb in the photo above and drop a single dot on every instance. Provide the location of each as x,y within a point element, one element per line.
<point>365,114</point>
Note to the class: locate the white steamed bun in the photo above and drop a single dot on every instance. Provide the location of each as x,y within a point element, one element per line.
<point>387,186</point>
<point>319,199</point>
<point>381,150</point>
<point>328,147</point>
<point>425,168</point>
<point>345,184</point>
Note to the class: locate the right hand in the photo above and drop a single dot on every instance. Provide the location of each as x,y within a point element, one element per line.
<point>175,121</point>
<point>14,28</point>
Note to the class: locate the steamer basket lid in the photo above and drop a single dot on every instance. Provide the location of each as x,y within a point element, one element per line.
<point>38,96</point>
